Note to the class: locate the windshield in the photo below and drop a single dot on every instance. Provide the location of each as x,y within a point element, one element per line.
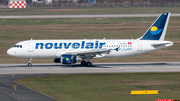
<point>18,46</point>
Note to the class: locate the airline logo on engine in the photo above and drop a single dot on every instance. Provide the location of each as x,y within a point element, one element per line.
<point>75,45</point>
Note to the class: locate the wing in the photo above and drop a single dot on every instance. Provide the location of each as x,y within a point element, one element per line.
<point>95,53</point>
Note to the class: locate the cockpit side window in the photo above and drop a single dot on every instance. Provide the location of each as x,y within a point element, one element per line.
<point>18,46</point>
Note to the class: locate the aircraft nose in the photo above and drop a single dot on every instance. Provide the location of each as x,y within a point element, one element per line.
<point>10,52</point>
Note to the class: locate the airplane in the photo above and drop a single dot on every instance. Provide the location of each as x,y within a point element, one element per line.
<point>71,51</point>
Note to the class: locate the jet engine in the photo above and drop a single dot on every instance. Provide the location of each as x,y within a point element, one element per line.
<point>67,59</point>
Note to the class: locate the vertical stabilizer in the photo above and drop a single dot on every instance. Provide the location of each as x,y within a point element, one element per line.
<point>157,30</point>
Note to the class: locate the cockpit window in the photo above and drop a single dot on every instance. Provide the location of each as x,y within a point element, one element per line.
<point>18,46</point>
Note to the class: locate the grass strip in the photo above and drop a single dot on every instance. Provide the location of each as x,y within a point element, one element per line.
<point>106,87</point>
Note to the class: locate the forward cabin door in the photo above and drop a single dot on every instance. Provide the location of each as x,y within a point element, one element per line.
<point>139,46</point>
<point>30,47</point>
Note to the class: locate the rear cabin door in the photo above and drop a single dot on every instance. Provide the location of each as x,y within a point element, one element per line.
<point>139,46</point>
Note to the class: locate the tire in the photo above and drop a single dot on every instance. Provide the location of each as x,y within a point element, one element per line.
<point>29,64</point>
<point>83,63</point>
<point>88,64</point>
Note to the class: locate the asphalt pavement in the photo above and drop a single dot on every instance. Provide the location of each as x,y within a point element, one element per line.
<point>121,67</point>
<point>83,16</point>
<point>10,72</point>
<point>8,93</point>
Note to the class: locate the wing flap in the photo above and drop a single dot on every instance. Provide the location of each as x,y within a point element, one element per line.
<point>95,53</point>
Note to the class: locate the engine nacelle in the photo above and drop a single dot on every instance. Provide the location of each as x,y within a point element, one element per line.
<point>57,60</point>
<point>68,59</point>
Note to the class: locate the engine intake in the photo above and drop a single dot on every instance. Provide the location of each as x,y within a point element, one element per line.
<point>57,60</point>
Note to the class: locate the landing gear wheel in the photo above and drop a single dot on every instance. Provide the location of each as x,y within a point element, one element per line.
<point>29,64</point>
<point>83,63</point>
<point>88,64</point>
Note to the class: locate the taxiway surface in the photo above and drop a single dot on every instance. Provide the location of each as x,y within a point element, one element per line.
<point>7,92</point>
<point>122,67</point>
<point>83,16</point>
<point>11,72</point>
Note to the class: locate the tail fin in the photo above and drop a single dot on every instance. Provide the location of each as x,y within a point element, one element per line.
<point>157,30</point>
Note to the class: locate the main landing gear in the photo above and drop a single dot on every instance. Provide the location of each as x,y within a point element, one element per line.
<point>29,64</point>
<point>84,63</point>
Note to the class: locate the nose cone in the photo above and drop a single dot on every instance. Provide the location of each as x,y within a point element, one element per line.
<point>10,52</point>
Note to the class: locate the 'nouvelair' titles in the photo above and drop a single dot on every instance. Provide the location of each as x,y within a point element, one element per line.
<point>75,45</point>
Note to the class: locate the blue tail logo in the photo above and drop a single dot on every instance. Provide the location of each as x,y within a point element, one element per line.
<point>158,29</point>
<point>154,30</point>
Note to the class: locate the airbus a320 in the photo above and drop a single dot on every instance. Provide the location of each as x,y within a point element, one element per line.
<point>71,51</point>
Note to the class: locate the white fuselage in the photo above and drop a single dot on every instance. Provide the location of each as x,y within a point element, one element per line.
<point>55,48</point>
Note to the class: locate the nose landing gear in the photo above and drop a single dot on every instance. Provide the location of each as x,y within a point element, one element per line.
<point>29,64</point>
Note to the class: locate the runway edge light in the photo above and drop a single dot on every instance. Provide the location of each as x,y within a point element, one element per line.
<point>164,100</point>
<point>144,92</point>
<point>167,99</point>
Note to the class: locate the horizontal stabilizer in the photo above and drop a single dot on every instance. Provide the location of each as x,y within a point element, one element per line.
<point>162,44</point>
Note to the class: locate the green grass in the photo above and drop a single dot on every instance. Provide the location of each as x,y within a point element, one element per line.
<point>15,30</point>
<point>73,21</point>
<point>60,11</point>
<point>106,87</point>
